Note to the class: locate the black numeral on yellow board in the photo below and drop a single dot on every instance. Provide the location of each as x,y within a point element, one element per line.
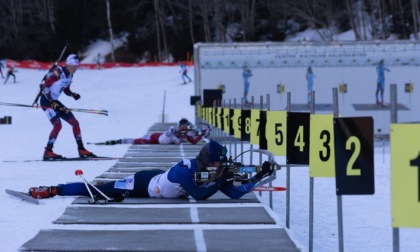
<point>416,162</point>
<point>325,153</point>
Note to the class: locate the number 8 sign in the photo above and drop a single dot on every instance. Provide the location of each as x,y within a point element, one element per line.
<point>354,166</point>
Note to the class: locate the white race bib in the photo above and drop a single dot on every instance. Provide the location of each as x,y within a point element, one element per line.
<point>126,184</point>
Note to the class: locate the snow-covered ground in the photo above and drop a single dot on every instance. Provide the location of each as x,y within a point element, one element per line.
<point>134,98</point>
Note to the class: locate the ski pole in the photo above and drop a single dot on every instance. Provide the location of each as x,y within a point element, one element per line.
<point>163,109</point>
<point>80,174</point>
<point>41,85</point>
<point>92,111</point>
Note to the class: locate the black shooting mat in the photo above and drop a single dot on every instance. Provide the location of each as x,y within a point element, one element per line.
<point>188,155</point>
<point>218,198</point>
<point>182,215</point>
<point>373,106</point>
<point>249,240</point>
<point>116,175</point>
<point>304,107</point>
<point>136,169</point>
<point>121,163</point>
<point>264,240</point>
<point>151,159</point>
<point>165,147</point>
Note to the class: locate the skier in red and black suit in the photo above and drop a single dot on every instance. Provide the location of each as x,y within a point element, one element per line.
<point>57,81</point>
<point>170,136</point>
<point>10,72</point>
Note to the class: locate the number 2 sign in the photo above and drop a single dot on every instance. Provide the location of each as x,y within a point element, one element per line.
<point>354,166</point>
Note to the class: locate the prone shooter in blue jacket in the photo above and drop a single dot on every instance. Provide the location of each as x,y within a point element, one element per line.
<point>176,182</point>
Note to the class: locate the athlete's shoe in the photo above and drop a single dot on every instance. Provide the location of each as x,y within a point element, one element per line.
<point>50,155</point>
<point>83,153</point>
<point>43,192</point>
<point>113,142</point>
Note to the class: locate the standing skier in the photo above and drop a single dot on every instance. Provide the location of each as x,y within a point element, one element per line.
<point>380,70</point>
<point>246,74</point>
<point>57,81</point>
<point>310,79</point>
<point>1,69</point>
<point>184,72</point>
<point>97,60</point>
<point>10,72</point>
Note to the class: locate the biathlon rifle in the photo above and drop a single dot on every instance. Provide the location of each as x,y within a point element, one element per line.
<point>41,85</point>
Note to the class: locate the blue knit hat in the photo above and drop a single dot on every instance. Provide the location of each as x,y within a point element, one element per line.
<point>217,152</point>
<point>210,153</point>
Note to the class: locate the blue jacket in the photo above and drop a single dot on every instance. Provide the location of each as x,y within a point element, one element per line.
<point>380,70</point>
<point>183,175</point>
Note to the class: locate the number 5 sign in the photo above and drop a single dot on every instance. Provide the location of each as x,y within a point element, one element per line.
<point>354,167</point>
<point>405,175</point>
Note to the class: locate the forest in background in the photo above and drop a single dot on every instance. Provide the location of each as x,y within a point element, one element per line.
<point>166,30</point>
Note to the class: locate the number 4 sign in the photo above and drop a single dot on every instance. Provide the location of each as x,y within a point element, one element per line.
<point>354,166</point>
<point>298,138</point>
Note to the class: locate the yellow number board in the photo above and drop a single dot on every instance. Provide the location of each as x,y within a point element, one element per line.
<point>226,120</point>
<point>236,122</point>
<point>255,123</point>
<point>275,130</point>
<point>321,156</point>
<point>405,175</point>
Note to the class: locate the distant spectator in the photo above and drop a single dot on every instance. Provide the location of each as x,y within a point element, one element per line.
<point>1,69</point>
<point>10,72</point>
<point>380,88</point>
<point>97,60</point>
<point>246,74</point>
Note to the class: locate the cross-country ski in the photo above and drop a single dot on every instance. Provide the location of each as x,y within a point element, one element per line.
<point>64,159</point>
<point>23,196</point>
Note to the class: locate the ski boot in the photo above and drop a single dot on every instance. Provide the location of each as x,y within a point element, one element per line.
<point>43,192</point>
<point>83,153</point>
<point>49,155</point>
<point>113,142</point>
